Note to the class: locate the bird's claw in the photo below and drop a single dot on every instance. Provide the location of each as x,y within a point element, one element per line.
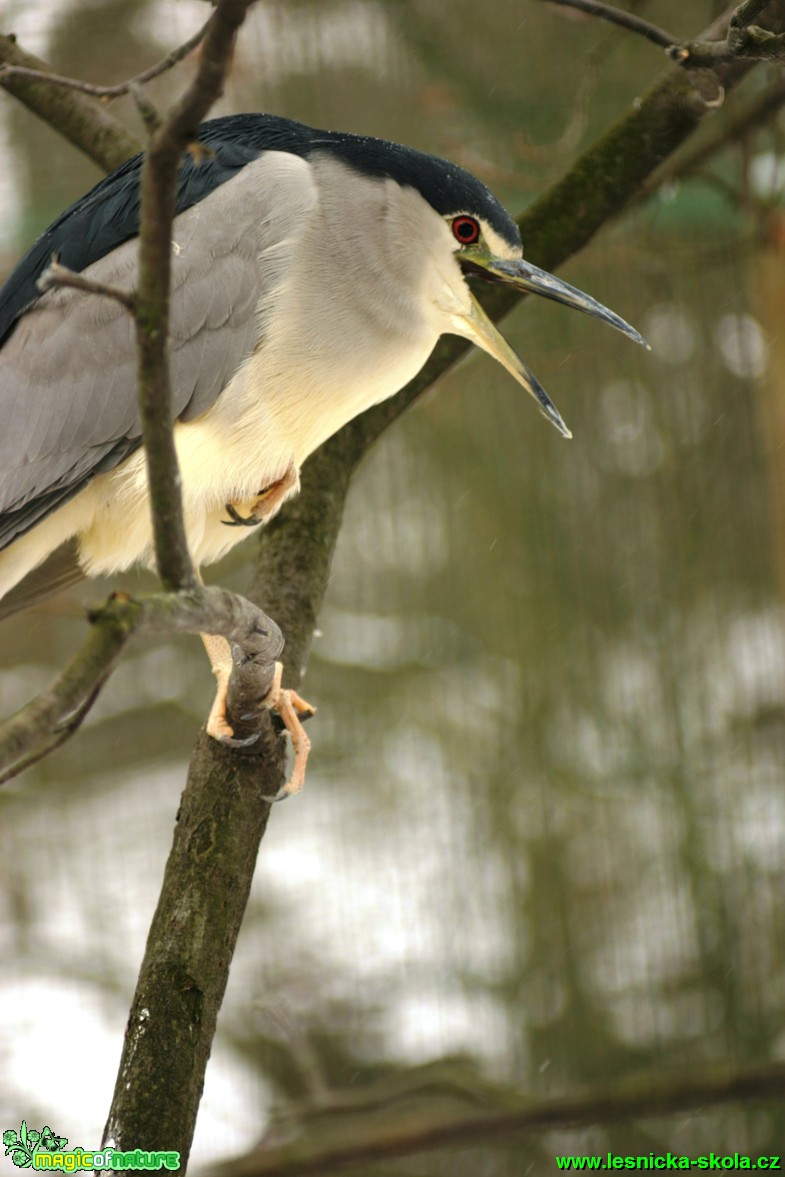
<point>235,741</point>
<point>281,795</point>
<point>237,520</point>
<point>292,709</point>
<point>266,502</point>
<point>287,704</point>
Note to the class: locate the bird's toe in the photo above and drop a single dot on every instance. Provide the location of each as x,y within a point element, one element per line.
<point>236,742</point>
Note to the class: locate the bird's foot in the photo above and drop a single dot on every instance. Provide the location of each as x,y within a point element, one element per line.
<point>288,705</point>
<point>237,520</point>
<point>293,710</point>
<point>218,725</point>
<point>265,503</point>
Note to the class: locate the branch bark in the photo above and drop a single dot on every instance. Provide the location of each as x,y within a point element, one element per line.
<point>190,946</point>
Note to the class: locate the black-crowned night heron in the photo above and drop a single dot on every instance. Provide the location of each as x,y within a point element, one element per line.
<point>313,272</point>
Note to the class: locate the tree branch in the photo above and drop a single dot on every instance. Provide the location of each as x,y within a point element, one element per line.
<point>750,10</point>
<point>193,934</point>
<point>355,1135</point>
<point>743,39</point>
<point>190,945</point>
<point>750,43</point>
<point>195,610</point>
<point>95,132</point>
<point>625,20</point>
<point>158,193</point>
<point>736,121</point>
<point>106,93</point>
<point>56,275</point>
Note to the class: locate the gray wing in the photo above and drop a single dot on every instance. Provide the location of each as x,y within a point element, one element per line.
<point>68,406</point>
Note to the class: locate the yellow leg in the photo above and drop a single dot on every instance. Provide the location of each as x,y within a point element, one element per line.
<point>220,654</point>
<point>289,705</point>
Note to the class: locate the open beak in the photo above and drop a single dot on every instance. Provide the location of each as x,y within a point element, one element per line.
<point>523,276</point>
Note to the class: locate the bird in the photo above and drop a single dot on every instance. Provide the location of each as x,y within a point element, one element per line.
<point>313,271</point>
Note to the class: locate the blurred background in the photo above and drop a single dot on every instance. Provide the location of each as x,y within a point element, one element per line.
<point>543,834</point>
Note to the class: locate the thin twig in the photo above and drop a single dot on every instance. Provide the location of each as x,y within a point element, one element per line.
<point>56,275</point>
<point>146,107</point>
<point>105,93</point>
<point>625,20</point>
<point>166,63</point>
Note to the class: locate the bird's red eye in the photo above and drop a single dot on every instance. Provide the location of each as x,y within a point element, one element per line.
<point>466,230</point>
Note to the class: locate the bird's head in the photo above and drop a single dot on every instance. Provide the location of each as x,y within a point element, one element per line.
<point>460,229</point>
<point>480,250</point>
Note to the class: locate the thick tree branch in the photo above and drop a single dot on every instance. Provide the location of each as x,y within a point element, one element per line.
<point>735,121</point>
<point>80,120</point>
<point>194,931</point>
<point>190,946</point>
<point>751,43</point>
<point>353,1135</point>
<point>750,10</point>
